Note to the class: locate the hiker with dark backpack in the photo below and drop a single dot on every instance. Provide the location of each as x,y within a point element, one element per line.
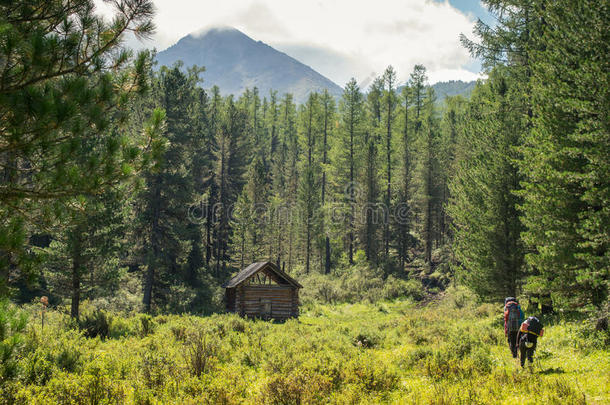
<point>529,333</point>
<point>513,317</point>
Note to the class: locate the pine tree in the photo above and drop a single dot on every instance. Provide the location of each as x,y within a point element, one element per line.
<point>64,77</point>
<point>83,259</point>
<point>210,201</point>
<point>242,222</point>
<point>169,190</point>
<point>428,165</point>
<point>328,119</point>
<point>256,191</point>
<point>291,140</point>
<point>200,168</point>
<point>389,98</point>
<point>231,161</point>
<point>450,126</point>
<point>370,201</point>
<point>418,83</point>
<point>483,206</point>
<point>347,146</point>
<point>566,156</point>
<point>309,188</point>
<point>403,210</point>
<point>372,214</point>
<point>279,212</point>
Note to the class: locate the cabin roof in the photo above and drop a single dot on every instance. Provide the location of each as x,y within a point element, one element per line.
<point>253,268</point>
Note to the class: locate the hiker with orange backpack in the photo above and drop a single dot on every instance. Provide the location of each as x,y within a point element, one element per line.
<point>513,317</point>
<point>529,333</point>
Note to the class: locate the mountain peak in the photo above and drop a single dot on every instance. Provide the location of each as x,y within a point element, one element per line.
<point>215,30</point>
<point>234,62</point>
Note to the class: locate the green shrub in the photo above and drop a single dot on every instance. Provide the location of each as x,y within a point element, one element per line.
<point>68,358</point>
<point>398,288</point>
<point>237,323</point>
<point>366,339</point>
<point>370,375</point>
<point>147,325</point>
<point>357,283</point>
<point>589,338</point>
<point>441,365</point>
<point>12,327</point>
<point>418,355</point>
<point>283,389</point>
<point>389,352</point>
<point>122,327</point>
<point>95,323</point>
<point>201,349</point>
<point>480,360</point>
<point>157,365</point>
<point>38,368</point>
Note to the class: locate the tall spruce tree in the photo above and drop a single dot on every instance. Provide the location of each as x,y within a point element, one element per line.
<point>210,201</point>
<point>83,258</point>
<point>169,190</point>
<point>231,161</point>
<point>372,214</point>
<point>309,189</point>
<point>389,105</point>
<point>428,170</point>
<point>450,126</point>
<point>290,136</point>
<point>347,147</point>
<point>403,214</point>
<point>487,240</point>
<point>328,119</point>
<point>566,156</point>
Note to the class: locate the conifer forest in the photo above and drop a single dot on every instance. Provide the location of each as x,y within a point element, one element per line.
<point>130,194</point>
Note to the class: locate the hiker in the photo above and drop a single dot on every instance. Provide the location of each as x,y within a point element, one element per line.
<point>529,333</point>
<point>513,317</point>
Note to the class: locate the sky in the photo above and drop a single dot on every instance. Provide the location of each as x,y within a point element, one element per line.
<point>338,38</point>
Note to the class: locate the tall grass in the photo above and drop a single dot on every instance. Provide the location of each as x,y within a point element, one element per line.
<point>448,351</point>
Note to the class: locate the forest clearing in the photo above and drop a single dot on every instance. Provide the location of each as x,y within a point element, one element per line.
<point>450,350</point>
<point>189,215</point>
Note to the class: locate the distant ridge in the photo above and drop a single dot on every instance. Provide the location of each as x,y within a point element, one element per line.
<point>451,88</point>
<point>234,62</point>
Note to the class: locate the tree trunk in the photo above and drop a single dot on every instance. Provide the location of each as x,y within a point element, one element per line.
<point>307,248</point>
<point>389,184</point>
<point>77,264</point>
<point>208,236</point>
<point>327,257</point>
<point>351,186</point>
<point>428,253</point>
<point>154,241</point>
<point>324,157</point>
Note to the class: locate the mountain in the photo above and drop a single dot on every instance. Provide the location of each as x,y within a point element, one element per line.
<point>449,89</point>
<point>453,88</point>
<point>234,62</point>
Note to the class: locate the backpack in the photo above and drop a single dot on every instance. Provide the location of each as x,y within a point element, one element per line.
<point>512,321</point>
<point>533,325</point>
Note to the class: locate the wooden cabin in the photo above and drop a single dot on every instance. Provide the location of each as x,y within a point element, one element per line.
<point>263,290</point>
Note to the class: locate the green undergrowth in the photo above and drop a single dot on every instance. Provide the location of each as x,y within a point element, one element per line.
<point>449,350</point>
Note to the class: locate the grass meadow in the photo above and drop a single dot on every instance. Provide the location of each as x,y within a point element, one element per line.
<point>449,350</point>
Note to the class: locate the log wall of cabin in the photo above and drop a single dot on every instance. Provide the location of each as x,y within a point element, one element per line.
<point>295,302</point>
<point>249,299</point>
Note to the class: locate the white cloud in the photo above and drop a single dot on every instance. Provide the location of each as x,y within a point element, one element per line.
<point>371,35</point>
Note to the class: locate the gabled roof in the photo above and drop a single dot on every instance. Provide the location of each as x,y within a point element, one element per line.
<point>253,268</point>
